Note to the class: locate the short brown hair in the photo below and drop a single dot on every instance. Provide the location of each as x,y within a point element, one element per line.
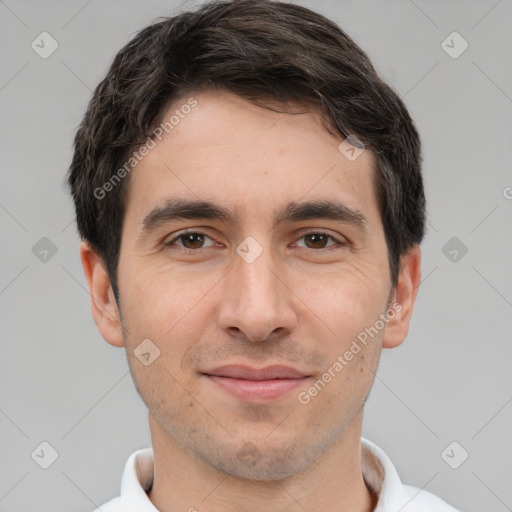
<point>255,49</point>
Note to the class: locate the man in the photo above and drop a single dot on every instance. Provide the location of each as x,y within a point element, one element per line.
<point>250,199</point>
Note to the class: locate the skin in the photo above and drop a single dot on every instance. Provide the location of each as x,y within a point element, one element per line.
<point>300,303</point>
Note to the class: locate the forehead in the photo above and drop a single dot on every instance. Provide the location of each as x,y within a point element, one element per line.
<point>231,151</point>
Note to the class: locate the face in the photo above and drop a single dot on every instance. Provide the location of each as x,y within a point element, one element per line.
<point>253,299</point>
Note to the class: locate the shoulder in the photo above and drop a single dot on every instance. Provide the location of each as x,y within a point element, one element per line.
<point>382,477</point>
<point>113,505</point>
<point>136,481</point>
<point>420,500</point>
<point>122,504</point>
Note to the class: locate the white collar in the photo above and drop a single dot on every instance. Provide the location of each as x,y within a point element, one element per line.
<point>378,471</point>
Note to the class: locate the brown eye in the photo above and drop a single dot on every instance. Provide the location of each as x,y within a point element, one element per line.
<point>190,240</point>
<point>319,240</point>
<point>316,240</point>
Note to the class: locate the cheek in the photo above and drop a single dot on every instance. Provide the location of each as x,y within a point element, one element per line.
<point>165,302</point>
<point>346,301</point>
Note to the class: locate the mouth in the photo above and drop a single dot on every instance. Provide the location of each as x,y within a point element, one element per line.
<point>256,385</point>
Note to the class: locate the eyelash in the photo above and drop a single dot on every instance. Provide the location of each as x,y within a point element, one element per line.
<point>191,251</point>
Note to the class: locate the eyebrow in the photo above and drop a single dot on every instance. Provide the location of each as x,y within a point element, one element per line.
<point>179,208</point>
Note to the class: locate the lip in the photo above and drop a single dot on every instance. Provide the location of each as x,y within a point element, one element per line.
<point>239,371</point>
<point>256,384</point>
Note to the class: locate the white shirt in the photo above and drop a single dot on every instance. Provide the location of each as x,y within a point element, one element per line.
<point>378,471</point>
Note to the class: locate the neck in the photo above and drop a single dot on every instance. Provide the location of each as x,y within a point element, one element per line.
<point>333,483</point>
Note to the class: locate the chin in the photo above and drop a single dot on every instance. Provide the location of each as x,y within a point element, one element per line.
<point>260,461</point>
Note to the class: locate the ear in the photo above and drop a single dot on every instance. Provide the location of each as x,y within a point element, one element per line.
<point>103,303</point>
<point>404,295</point>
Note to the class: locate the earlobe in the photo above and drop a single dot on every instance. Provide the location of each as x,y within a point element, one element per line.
<point>103,304</point>
<point>405,295</point>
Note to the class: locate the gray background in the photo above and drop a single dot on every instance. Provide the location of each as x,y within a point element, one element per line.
<point>450,381</point>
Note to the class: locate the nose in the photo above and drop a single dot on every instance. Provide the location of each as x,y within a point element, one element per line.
<point>257,302</point>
